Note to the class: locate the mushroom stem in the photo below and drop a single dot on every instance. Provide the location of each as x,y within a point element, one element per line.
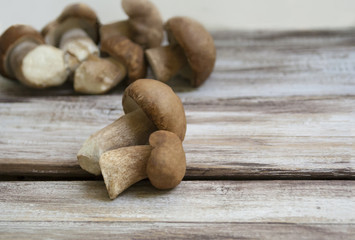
<point>38,66</point>
<point>98,75</point>
<point>77,46</point>
<point>131,129</point>
<point>16,57</point>
<point>123,167</point>
<point>120,28</point>
<point>166,61</point>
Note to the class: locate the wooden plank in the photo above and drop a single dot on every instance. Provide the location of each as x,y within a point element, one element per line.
<point>175,230</point>
<point>258,137</point>
<point>303,202</point>
<point>278,105</point>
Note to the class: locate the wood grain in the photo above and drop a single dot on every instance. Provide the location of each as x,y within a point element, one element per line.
<point>303,202</point>
<point>278,105</point>
<point>175,230</point>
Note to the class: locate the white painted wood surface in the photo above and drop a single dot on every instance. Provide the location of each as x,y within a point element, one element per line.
<point>278,105</point>
<point>192,201</point>
<point>175,230</point>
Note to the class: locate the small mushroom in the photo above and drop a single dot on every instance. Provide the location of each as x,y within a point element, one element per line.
<point>144,26</point>
<point>98,75</point>
<point>76,31</point>
<point>131,55</point>
<point>191,52</point>
<point>25,57</point>
<point>166,166</point>
<point>149,105</point>
<point>163,162</point>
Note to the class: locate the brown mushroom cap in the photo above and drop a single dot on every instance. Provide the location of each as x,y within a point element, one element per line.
<point>13,36</point>
<point>197,44</point>
<point>127,52</point>
<point>77,15</point>
<point>159,102</point>
<point>166,166</point>
<point>145,22</point>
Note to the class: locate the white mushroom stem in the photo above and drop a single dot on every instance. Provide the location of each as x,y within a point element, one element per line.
<point>123,167</point>
<point>97,75</point>
<point>166,61</point>
<point>131,129</point>
<point>77,46</point>
<point>38,66</point>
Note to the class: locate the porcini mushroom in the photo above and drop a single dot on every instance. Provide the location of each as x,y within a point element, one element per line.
<point>191,52</point>
<point>76,31</point>
<point>25,57</point>
<point>149,105</point>
<point>99,75</point>
<point>144,26</point>
<point>128,53</point>
<point>163,162</point>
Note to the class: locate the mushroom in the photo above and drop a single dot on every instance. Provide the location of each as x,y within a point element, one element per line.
<point>191,52</point>
<point>25,57</point>
<point>76,31</point>
<point>144,26</point>
<point>163,162</point>
<point>149,105</point>
<point>131,55</point>
<point>98,75</point>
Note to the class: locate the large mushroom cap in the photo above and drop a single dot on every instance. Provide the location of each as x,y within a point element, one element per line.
<point>13,36</point>
<point>145,22</point>
<point>77,15</point>
<point>127,52</point>
<point>159,102</point>
<point>166,166</point>
<point>197,44</point>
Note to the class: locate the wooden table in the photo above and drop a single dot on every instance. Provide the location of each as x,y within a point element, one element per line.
<point>269,147</point>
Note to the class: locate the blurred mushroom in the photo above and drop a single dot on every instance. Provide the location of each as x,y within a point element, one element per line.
<point>131,55</point>
<point>144,26</point>
<point>76,31</point>
<point>25,57</point>
<point>98,75</point>
<point>163,162</point>
<point>149,105</point>
<point>191,52</point>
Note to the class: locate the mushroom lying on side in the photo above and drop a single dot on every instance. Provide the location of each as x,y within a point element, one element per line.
<point>149,105</point>
<point>25,57</point>
<point>191,52</point>
<point>76,31</point>
<point>163,162</point>
<point>144,26</point>
<point>131,55</point>
<point>98,75</point>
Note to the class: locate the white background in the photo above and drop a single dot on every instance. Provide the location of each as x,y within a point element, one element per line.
<point>214,14</point>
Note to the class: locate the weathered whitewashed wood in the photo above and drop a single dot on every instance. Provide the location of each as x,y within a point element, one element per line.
<point>259,137</point>
<point>175,230</point>
<point>311,202</point>
<point>278,105</point>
